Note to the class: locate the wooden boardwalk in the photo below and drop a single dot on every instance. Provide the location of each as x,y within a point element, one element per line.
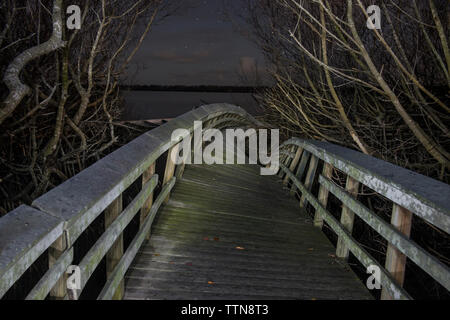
<point>229,233</point>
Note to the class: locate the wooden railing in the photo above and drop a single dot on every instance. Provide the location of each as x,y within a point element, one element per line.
<point>54,222</point>
<point>410,193</point>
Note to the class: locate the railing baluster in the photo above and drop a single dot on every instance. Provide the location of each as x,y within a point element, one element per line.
<point>323,194</point>
<point>293,164</point>
<point>347,217</point>
<point>282,158</point>
<point>77,203</point>
<point>146,176</point>
<point>115,253</point>
<point>285,159</point>
<point>301,168</point>
<point>180,169</point>
<point>59,291</point>
<point>197,147</point>
<point>170,166</point>
<point>309,178</point>
<point>395,260</point>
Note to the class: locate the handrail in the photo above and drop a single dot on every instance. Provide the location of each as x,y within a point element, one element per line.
<point>410,192</point>
<point>55,220</point>
<point>426,197</point>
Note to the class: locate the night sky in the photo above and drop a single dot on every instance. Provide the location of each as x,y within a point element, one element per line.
<point>198,45</point>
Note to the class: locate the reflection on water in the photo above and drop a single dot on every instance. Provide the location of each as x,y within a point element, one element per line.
<point>146,105</point>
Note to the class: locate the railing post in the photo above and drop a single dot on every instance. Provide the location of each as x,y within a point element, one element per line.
<point>59,291</point>
<point>180,169</point>
<point>146,176</point>
<point>285,160</point>
<point>170,166</point>
<point>301,168</point>
<point>323,194</point>
<point>115,253</point>
<point>212,123</point>
<point>197,146</point>
<point>395,260</point>
<point>282,159</point>
<point>309,178</point>
<point>347,217</point>
<point>293,164</point>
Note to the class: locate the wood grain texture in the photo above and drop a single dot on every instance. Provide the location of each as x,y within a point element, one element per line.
<point>229,233</point>
<point>323,195</point>
<point>146,176</point>
<point>115,253</point>
<point>347,217</point>
<point>310,175</point>
<point>293,164</point>
<point>395,260</point>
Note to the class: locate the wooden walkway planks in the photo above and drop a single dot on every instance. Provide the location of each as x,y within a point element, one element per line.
<point>229,233</point>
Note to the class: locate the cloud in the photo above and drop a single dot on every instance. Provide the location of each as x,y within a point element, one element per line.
<point>173,57</point>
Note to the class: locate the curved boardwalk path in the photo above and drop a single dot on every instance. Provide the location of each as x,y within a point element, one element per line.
<point>229,233</point>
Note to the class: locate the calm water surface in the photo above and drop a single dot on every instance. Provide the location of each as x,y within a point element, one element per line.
<point>147,105</point>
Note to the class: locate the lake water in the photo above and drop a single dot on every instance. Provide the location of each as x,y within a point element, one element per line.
<point>147,105</point>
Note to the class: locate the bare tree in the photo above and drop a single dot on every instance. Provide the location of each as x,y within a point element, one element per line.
<point>384,92</point>
<point>60,96</point>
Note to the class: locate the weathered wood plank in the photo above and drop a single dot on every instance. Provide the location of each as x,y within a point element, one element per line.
<point>201,232</point>
<point>301,168</point>
<point>395,260</point>
<point>286,159</point>
<point>240,289</point>
<point>51,277</point>
<point>424,196</point>
<point>434,267</point>
<point>248,278</point>
<point>347,217</point>
<point>323,195</point>
<point>180,168</point>
<point>294,163</point>
<point>80,199</point>
<point>55,253</point>
<point>361,254</point>
<point>91,260</point>
<point>114,254</point>
<point>146,176</point>
<point>25,234</point>
<point>310,175</point>
<point>170,166</point>
<point>121,268</point>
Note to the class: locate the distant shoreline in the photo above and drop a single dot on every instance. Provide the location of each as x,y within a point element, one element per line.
<point>230,89</point>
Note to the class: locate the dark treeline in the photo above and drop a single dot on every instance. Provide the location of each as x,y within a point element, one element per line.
<point>59,87</point>
<point>198,88</point>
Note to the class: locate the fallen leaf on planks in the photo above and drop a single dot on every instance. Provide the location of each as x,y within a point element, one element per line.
<point>210,282</point>
<point>240,248</point>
